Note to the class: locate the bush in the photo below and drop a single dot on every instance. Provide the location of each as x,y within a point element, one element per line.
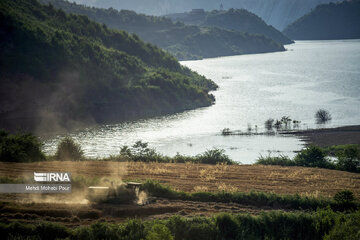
<point>133,230</point>
<point>101,230</point>
<point>322,116</point>
<point>227,226</point>
<point>266,225</point>
<point>178,158</point>
<point>346,227</point>
<point>68,149</point>
<point>280,160</point>
<point>16,229</point>
<point>344,196</point>
<point>155,189</point>
<point>271,225</point>
<point>47,230</point>
<point>349,159</point>
<point>140,152</point>
<point>20,147</point>
<point>312,156</point>
<point>83,233</point>
<point>345,200</point>
<point>192,229</point>
<point>159,232</point>
<point>214,156</point>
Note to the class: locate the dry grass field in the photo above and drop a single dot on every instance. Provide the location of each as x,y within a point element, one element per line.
<point>187,177</point>
<point>201,177</point>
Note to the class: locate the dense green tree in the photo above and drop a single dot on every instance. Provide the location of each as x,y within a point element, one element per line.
<point>312,156</point>
<point>20,148</point>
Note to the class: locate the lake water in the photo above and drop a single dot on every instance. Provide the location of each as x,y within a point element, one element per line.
<point>252,88</point>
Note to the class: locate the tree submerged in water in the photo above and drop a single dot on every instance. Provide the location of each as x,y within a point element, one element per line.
<point>283,124</point>
<point>322,116</point>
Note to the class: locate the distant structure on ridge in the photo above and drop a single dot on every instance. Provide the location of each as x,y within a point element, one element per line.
<point>197,11</point>
<point>221,7</point>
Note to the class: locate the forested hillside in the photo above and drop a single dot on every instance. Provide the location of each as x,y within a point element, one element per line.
<point>278,13</point>
<point>233,19</point>
<point>62,71</point>
<point>183,41</point>
<point>328,21</point>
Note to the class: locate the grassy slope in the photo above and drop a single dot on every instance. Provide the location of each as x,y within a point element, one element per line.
<point>328,21</point>
<point>67,70</point>
<point>185,42</point>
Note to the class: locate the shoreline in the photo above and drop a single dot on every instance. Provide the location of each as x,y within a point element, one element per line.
<point>325,137</point>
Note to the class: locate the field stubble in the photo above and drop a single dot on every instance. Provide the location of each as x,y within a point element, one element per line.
<point>192,177</point>
<point>187,177</point>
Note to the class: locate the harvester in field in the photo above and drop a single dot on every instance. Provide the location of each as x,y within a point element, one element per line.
<point>125,193</point>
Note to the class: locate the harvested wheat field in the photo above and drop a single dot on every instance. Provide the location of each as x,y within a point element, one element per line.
<point>201,177</point>
<point>74,210</point>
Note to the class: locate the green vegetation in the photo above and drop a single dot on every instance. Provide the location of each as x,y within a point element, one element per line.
<point>69,150</point>
<point>27,148</point>
<point>183,41</point>
<point>277,160</point>
<point>259,199</point>
<point>328,21</point>
<point>344,197</point>
<point>271,225</point>
<point>140,152</point>
<point>345,227</point>
<point>214,156</point>
<point>348,158</point>
<point>312,156</point>
<point>20,147</point>
<point>80,72</point>
<point>233,19</point>
<point>338,150</point>
<point>159,232</point>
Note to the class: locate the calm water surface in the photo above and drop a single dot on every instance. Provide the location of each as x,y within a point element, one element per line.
<point>308,76</point>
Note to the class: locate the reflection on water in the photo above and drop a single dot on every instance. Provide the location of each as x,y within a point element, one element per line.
<point>253,88</point>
